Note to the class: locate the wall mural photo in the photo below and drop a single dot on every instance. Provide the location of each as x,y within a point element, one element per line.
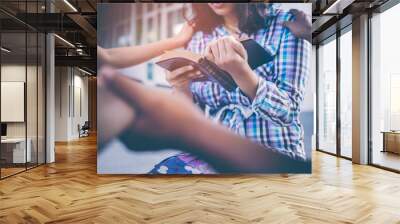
<point>204,88</point>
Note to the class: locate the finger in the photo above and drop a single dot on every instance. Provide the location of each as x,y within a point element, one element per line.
<point>229,49</point>
<point>130,91</point>
<point>243,37</point>
<point>214,51</point>
<point>238,47</point>
<point>190,75</point>
<point>295,12</point>
<point>288,24</point>
<point>301,16</point>
<point>208,53</point>
<point>221,48</point>
<point>181,83</point>
<point>184,76</point>
<point>180,71</point>
<point>196,75</point>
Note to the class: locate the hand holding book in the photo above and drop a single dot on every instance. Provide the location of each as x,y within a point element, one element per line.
<point>238,62</point>
<point>230,55</point>
<point>181,78</point>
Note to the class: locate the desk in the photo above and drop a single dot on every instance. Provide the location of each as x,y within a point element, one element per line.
<point>391,141</point>
<point>13,150</point>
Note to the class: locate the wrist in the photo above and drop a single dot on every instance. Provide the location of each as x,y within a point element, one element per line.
<point>237,72</point>
<point>177,42</point>
<point>248,82</point>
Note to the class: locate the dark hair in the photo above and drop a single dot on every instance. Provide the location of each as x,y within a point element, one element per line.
<point>252,17</point>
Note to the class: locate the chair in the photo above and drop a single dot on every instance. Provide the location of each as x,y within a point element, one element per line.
<point>84,130</point>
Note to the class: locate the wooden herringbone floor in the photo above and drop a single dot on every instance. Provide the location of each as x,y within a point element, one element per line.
<point>70,191</point>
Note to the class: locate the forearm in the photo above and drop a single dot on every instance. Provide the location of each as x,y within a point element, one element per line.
<point>183,91</point>
<point>130,56</point>
<point>274,103</point>
<point>111,125</point>
<point>247,82</point>
<point>228,152</point>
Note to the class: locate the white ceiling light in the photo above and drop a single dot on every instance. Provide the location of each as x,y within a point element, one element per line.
<point>5,50</point>
<point>65,41</point>
<point>70,5</point>
<point>338,6</point>
<point>86,72</point>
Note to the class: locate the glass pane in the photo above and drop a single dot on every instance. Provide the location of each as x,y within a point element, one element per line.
<point>346,94</point>
<point>327,97</point>
<point>41,99</point>
<point>31,98</point>
<point>31,88</point>
<point>13,86</point>
<point>385,89</point>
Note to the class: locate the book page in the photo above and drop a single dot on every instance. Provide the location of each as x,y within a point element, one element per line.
<point>180,54</point>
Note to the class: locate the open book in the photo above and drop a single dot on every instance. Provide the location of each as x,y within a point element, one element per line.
<point>175,59</point>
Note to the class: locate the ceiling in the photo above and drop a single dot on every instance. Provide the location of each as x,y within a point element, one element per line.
<point>76,22</point>
<point>73,20</point>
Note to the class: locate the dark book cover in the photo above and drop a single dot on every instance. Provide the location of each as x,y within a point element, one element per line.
<point>175,59</point>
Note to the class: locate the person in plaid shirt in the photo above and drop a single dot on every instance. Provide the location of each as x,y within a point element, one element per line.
<point>266,105</point>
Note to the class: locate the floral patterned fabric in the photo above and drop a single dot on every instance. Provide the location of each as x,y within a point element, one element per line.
<point>182,163</point>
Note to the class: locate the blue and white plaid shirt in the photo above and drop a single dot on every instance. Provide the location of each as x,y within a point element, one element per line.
<point>272,118</point>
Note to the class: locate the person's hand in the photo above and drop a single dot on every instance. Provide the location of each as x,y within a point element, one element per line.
<point>181,78</point>
<point>186,33</point>
<point>300,27</point>
<point>229,54</point>
<point>161,119</point>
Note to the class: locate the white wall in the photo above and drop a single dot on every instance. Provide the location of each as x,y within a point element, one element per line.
<point>17,73</point>
<point>14,72</point>
<point>79,117</point>
<point>70,83</point>
<point>61,103</point>
<point>34,125</point>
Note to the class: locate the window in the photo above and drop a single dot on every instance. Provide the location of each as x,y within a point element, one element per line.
<point>327,96</point>
<point>346,93</point>
<point>22,87</point>
<point>385,89</point>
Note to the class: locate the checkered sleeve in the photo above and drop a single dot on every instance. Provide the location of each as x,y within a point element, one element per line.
<point>206,92</point>
<point>279,101</point>
<point>211,94</point>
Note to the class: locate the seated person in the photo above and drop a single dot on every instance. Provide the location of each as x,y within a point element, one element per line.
<point>139,118</point>
<point>122,57</point>
<point>266,105</point>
